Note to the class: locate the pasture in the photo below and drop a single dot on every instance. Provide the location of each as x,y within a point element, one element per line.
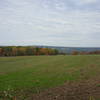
<point>37,73</point>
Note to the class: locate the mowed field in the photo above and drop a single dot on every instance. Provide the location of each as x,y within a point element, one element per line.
<point>38,73</point>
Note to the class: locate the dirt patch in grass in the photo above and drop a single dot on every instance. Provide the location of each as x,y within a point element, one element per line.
<point>83,90</point>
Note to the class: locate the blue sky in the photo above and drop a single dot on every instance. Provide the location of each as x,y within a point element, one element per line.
<point>73,23</point>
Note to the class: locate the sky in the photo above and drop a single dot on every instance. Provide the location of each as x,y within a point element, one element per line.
<point>70,23</point>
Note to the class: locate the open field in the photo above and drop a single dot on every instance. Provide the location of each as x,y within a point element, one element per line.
<point>33,74</point>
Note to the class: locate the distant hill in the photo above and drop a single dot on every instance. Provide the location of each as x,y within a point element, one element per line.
<point>69,50</point>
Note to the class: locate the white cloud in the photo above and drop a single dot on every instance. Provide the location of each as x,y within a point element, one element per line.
<point>27,20</point>
<point>86,1</point>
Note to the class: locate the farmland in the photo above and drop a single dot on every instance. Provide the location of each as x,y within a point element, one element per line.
<point>38,73</point>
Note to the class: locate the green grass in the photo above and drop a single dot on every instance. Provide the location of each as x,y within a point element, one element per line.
<point>41,72</point>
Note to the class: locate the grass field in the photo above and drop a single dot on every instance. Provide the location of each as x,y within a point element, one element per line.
<point>42,72</point>
<point>31,74</point>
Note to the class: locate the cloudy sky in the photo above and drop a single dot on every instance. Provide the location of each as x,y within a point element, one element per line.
<point>50,22</point>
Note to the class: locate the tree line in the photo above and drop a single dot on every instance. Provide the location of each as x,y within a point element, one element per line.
<point>85,53</point>
<point>30,50</point>
<point>26,50</point>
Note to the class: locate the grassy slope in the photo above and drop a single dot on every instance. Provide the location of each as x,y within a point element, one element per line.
<point>45,71</point>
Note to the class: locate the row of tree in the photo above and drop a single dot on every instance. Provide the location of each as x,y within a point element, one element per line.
<point>26,50</point>
<point>85,53</point>
<point>30,50</point>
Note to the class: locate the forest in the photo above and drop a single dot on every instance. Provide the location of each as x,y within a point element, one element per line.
<point>26,50</point>
<point>32,50</point>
